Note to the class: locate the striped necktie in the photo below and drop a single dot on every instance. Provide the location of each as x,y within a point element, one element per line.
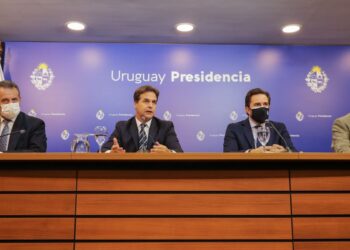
<point>257,142</point>
<point>143,138</point>
<point>3,138</point>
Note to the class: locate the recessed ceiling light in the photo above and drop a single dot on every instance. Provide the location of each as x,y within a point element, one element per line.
<point>184,27</point>
<point>291,28</point>
<point>76,26</point>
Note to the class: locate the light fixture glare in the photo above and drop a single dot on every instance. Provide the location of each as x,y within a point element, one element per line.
<point>76,26</point>
<point>292,28</point>
<point>185,27</point>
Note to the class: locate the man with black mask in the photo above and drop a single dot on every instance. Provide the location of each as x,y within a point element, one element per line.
<point>243,136</point>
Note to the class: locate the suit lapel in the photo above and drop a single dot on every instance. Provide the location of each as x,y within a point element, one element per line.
<point>248,133</point>
<point>153,133</point>
<point>18,125</point>
<point>273,136</point>
<point>134,132</point>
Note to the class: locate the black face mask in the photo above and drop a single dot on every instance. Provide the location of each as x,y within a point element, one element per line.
<point>260,115</point>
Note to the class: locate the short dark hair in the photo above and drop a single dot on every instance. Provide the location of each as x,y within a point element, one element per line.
<point>143,89</point>
<point>9,85</point>
<point>256,91</point>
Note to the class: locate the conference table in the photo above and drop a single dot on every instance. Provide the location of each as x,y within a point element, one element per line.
<point>91,201</point>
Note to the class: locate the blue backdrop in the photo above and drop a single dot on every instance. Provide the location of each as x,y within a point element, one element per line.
<point>75,87</point>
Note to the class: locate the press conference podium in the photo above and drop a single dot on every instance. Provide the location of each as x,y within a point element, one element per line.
<point>64,201</point>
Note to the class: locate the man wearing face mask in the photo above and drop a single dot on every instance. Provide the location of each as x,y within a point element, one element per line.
<point>242,136</point>
<point>18,131</point>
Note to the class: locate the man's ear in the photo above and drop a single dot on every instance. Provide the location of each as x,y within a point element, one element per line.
<point>247,111</point>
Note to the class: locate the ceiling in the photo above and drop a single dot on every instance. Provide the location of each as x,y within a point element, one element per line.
<point>152,21</point>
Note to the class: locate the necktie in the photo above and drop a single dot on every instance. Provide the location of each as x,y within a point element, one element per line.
<point>3,139</point>
<point>257,142</point>
<point>143,138</point>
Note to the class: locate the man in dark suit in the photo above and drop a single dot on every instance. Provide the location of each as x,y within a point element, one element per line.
<point>143,132</point>
<point>242,136</point>
<point>19,132</point>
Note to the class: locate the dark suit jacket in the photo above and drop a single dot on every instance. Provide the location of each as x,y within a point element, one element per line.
<point>128,137</point>
<point>239,137</point>
<point>34,137</point>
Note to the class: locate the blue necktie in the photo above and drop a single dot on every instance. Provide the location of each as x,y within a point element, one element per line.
<point>257,142</point>
<point>143,138</point>
<point>3,138</point>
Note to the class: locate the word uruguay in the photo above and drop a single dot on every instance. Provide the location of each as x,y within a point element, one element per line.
<point>176,76</point>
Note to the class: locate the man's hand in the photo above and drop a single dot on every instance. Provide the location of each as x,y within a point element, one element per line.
<point>277,149</point>
<point>261,149</point>
<point>116,148</point>
<point>160,148</point>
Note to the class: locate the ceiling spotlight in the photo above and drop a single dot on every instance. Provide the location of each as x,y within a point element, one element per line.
<point>184,27</point>
<point>76,26</point>
<point>291,28</point>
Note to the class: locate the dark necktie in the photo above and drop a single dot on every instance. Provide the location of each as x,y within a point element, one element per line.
<point>143,138</point>
<point>257,142</point>
<point>3,139</point>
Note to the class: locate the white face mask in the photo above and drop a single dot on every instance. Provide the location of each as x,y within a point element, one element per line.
<point>10,110</point>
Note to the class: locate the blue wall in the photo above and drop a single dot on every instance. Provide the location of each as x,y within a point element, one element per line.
<point>75,87</point>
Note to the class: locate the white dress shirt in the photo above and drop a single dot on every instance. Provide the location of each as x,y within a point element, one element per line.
<point>148,125</point>
<point>253,125</point>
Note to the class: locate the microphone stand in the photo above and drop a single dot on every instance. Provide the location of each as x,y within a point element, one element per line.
<point>279,134</point>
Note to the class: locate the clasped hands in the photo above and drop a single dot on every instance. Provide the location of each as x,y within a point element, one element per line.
<point>275,148</point>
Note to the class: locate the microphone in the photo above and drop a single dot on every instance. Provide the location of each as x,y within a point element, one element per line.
<point>279,134</point>
<point>22,131</point>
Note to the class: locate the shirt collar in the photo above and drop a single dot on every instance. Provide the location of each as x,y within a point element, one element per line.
<point>254,124</point>
<point>138,123</point>
<point>2,119</point>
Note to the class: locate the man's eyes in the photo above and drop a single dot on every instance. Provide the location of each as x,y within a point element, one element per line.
<point>261,104</point>
<point>148,101</point>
